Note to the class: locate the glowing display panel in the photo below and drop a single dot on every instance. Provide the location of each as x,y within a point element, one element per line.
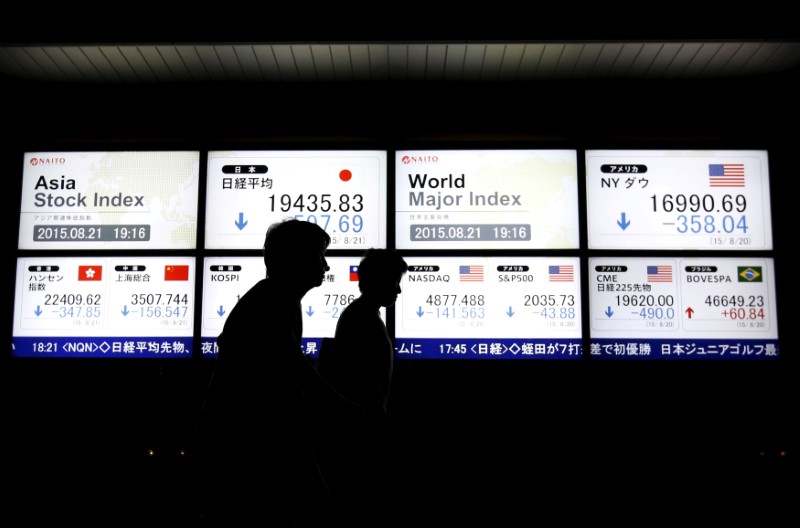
<point>489,308</point>
<point>109,200</point>
<point>226,279</point>
<point>343,191</point>
<point>683,308</point>
<point>126,307</point>
<point>486,199</point>
<point>678,199</point>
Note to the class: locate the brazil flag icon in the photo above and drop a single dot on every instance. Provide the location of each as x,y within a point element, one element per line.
<point>749,273</point>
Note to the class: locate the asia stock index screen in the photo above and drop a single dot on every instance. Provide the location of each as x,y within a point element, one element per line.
<point>109,200</point>
<point>70,303</point>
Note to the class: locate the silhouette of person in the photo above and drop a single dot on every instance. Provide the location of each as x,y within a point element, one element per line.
<point>354,454</point>
<point>257,460</point>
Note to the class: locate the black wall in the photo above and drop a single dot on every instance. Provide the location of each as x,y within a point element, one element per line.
<point>473,439</point>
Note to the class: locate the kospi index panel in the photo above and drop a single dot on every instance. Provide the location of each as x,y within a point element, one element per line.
<point>486,199</point>
<point>342,191</point>
<point>109,200</point>
<point>503,308</point>
<point>226,279</point>
<point>110,307</point>
<point>678,199</point>
<point>683,308</point>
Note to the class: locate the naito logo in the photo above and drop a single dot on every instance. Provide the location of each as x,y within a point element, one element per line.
<point>406,160</point>
<point>35,162</point>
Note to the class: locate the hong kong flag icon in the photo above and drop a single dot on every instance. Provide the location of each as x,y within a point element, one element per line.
<point>176,273</point>
<point>90,273</point>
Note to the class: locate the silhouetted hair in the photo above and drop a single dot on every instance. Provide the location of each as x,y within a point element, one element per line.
<point>378,263</point>
<point>289,237</point>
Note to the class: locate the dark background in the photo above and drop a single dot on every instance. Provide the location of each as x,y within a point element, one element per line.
<point>510,442</point>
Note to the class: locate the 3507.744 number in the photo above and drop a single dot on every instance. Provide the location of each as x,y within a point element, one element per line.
<point>147,299</point>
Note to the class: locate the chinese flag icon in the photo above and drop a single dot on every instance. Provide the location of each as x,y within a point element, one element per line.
<point>176,273</point>
<point>90,273</point>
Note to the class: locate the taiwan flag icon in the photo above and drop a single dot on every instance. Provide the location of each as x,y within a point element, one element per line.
<point>176,273</point>
<point>90,273</point>
<point>353,273</point>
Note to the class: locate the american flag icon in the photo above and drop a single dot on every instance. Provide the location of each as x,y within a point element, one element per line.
<point>659,273</point>
<point>561,273</point>
<point>470,273</point>
<point>726,175</point>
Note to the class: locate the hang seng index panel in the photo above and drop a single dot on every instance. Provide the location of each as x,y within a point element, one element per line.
<point>111,307</point>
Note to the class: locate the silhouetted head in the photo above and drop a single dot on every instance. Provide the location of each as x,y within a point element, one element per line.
<point>294,251</point>
<point>379,274</point>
